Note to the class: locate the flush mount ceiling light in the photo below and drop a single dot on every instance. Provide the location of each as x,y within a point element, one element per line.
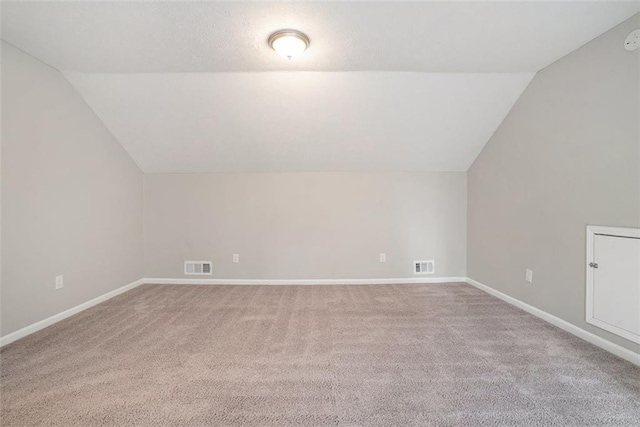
<point>288,43</point>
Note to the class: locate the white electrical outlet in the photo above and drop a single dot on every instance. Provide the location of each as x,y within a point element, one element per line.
<point>59,282</point>
<point>236,258</point>
<point>528,275</point>
<point>383,257</point>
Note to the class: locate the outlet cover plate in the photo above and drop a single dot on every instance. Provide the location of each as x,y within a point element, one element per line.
<point>528,275</point>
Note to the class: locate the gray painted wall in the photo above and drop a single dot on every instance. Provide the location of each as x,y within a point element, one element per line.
<point>566,156</point>
<point>72,197</point>
<point>321,225</point>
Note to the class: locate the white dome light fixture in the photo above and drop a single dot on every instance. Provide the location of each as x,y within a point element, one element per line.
<point>288,43</point>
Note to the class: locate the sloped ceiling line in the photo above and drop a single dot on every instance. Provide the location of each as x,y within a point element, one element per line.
<point>192,86</point>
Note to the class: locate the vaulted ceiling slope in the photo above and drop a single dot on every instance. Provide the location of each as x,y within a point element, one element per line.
<point>302,121</point>
<point>182,84</point>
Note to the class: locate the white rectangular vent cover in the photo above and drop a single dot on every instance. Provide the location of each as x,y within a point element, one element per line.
<point>424,267</point>
<point>198,268</point>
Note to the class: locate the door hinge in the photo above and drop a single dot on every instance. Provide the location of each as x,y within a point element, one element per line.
<point>593,264</point>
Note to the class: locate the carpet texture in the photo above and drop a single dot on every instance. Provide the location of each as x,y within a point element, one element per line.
<point>383,355</point>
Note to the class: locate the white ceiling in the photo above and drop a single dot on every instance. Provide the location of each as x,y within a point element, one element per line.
<point>383,86</point>
<point>178,36</point>
<point>302,121</point>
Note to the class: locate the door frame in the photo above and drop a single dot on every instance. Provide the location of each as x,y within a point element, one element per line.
<point>592,231</point>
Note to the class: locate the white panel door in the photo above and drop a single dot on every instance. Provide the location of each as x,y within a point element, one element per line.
<point>615,287</point>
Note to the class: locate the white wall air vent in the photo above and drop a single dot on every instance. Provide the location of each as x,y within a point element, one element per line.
<point>198,268</point>
<point>424,267</point>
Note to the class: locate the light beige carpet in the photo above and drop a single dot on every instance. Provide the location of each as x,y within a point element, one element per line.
<point>403,355</point>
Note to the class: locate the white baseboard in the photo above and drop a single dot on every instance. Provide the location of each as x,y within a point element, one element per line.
<point>418,280</point>
<point>28,330</point>
<point>604,344</point>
